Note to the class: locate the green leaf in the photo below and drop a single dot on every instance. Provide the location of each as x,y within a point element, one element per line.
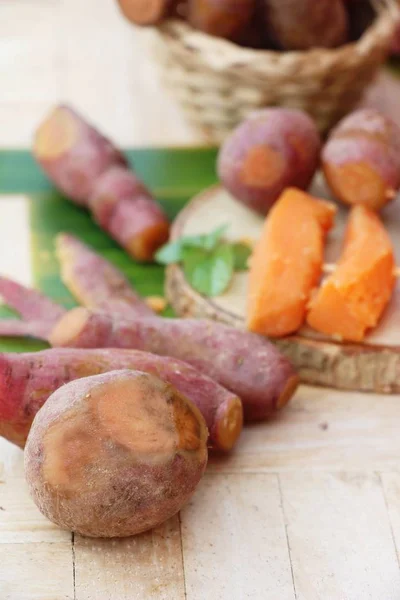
<point>241,254</point>
<point>170,253</point>
<point>211,272</point>
<point>206,241</point>
<point>212,239</point>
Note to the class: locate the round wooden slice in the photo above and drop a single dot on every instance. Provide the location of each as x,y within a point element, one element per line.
<point>372,366</point>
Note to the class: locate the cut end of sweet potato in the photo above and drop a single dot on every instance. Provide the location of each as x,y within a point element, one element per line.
<point>288,391</point>
<point>142,247</point>
<point>144,12</point>
<point>358,183</point>
<point>262,167</point>
<point>56,135</point>
<point>69,328</point>
<point>229,424</point>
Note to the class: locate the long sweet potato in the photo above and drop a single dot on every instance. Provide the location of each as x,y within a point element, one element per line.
<point>95,282</point>
<point>115,454</point>
<point>27,381</point>
<point>92,172</point>
<point>243,362</point>
<point>38,312</point>
<point>287,263</point>
<point>353,298</point>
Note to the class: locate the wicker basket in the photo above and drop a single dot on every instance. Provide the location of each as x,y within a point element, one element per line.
<point>219,83</point>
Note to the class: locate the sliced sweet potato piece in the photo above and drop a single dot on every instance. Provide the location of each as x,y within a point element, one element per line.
<point>287,263</point>
<point>353,298</point>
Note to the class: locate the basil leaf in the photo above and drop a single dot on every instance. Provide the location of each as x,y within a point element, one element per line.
<point>206,241</point>
<point>212,239</point>
<point>172,252</point>
<point>169,253</point>
<point>209,272</point>
<point>241,254</point>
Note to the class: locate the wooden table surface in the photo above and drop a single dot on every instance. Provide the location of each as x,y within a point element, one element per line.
<point>308,507</point>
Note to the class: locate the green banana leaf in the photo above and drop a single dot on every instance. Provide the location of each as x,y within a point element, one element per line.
<point>173,175</point>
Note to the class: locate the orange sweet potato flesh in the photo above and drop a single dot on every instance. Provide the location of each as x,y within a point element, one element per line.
<point>353,298</point>
<point>287,263</point>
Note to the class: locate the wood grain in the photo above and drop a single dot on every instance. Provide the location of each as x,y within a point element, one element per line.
<point>40,571</point>
<point>148,566</point>
<point>321,429</point>
<point>234,540</point>
<point>340,539</point>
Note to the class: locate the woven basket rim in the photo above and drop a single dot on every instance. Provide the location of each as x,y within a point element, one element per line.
<point>196,40</point>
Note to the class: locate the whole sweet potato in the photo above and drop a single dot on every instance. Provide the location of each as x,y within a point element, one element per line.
<point>361,159</point>
<point>245,363</point>
<point>304,24</point>
<point>115,454</point>
<point>273,149</point>
<point>222,18</point>
<point>146,12</point>
<point>27,380</point>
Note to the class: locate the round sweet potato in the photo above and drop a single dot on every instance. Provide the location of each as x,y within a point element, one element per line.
<point>222,18</point>
<point>273,149</point>
<point>300,25</point>
<point>115,454</point>
<point>361,159</point>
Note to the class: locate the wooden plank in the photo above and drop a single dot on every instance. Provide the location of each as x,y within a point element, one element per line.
<point>339,536</point>
<point>148,566</point>
<point>322,429</point>
<point>234,540</point>
<point>391,488</point>
<point>11,461</point>
<point>36,572</point>
<point>20,520</point>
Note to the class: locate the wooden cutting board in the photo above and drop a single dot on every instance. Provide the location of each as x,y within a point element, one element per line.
<point>372,366</point>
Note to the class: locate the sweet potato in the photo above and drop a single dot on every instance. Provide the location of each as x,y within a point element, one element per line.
<point>222,18</point>
<point>300,25</point>
<point>271,150</point>
<point>27,381</point>
<point>124,207</point>
<point>244,363</point>
<point>72,153</point>
<point>95,282</point>
<point>287,263</point>
<point>145,12</point>
<point>115,454</point>
<point>90,171</point>
<point>353,298</point>
<point>361,159</point>
<point>38,312</point>
<point>361,16</point>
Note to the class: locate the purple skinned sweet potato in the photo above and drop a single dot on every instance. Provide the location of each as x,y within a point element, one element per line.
<point>95,282</point>
<point>361,159</point>
<point>273,149</point>
<point>27,380</point>
<point>115,454</point>
<point>245,363</point>
<point>300,25</point>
